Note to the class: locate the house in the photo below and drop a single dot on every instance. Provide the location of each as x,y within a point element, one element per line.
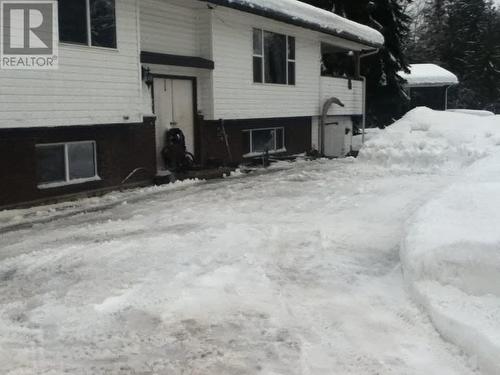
<point>239,77</point>
<point>427,85</point>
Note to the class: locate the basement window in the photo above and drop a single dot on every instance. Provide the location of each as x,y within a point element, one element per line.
<point>273,58</point>
<point>66,163</point>
<point>88,22</point>
<point>260,141</point>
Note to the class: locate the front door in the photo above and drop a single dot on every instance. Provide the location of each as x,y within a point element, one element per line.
<point>174,108</point>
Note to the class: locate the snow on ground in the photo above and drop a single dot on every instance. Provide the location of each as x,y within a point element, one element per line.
<point>451,257</point>
<point>427,140</point>
<point>296,271</point>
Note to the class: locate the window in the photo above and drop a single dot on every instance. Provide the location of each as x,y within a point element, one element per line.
<point>66,163</point>
<point>273,58</point>
<point>266,140</point>
<point>88,22</point>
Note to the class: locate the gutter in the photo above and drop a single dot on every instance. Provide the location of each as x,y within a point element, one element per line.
<point>282,16</point>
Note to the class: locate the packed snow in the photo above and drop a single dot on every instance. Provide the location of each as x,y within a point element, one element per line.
<point>293,270</point>
<point>424,75</point>
<point>328,22</point>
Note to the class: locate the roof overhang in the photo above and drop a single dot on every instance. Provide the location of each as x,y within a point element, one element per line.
<point>281,15</point>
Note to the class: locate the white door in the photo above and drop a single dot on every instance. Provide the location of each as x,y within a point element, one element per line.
<point>334,137</point>
<point>174,109</point>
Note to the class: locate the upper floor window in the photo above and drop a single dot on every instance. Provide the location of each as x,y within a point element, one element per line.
<point>88,22</point>
<point>273,58</point>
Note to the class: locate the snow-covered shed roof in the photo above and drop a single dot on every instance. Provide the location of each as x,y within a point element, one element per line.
<point>304,15</point>
<point>428,75</point>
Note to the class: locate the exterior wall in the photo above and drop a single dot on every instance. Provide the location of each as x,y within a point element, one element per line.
<point>237,96</point>
<point>179,28</point>
<point>214,151</point>
<point>91,86</point>
<point>339,87</point>
<point>121,149</point>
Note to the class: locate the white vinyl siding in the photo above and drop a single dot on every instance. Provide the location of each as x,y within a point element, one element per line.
<point>170,28</point>
<point>339,88</point>
<point>236,96</point>
<point>92,85</point>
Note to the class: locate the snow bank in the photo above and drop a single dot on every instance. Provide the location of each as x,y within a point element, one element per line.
<point>451,259</point>
<point>427,140</point>
<point>308,16</point>
<point>451,251</point>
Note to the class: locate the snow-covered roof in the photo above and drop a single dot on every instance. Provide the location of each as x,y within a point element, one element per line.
<point>427,75</point>
<point>301,14</point>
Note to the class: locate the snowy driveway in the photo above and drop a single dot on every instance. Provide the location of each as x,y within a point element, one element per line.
<point>292,272</point>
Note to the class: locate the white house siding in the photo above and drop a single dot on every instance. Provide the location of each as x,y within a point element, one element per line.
<point>91,86</point>
<point>339,88</point>
<point>179,28</point>
<point>236,96</point>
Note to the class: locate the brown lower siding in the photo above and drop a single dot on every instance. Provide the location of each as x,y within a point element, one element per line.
<point>121,149</point>
<point>215,151</point>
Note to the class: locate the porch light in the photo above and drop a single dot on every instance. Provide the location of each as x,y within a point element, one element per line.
<point>147,76</point>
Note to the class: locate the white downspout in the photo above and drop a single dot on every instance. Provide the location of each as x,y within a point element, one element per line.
<point>374,52</point>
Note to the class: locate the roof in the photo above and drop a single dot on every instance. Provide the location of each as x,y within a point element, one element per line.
<point>428,75</point>
<point>304,15</point>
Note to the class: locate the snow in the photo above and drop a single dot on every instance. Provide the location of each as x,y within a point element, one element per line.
<point>327,21</point>
<point>427,140</point>
<point>451,258</point>
<point>311,267</point>
<point>473,112</point>
<point>425,75</point>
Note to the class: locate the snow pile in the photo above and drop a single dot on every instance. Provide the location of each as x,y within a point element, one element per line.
<point>451,259</point>
<point>424,75</point>
<point>308,16</point>
<point>427,140</point>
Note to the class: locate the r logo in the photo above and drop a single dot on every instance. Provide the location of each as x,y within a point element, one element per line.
<point>27,28</point>
<point>28,34</point>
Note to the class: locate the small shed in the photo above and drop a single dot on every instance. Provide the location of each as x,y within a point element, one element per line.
<point>427,85</point>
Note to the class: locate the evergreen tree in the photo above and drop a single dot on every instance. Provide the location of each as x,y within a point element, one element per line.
<point>464,37</point>
<point>386,99</point>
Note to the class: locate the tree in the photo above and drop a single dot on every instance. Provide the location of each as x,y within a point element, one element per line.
<point>385,95</point>
<point>464,37</point>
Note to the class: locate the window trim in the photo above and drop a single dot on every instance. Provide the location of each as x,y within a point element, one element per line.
<point>253,153</point>
<point>262,57</point>
<point>68,181</point>
<point>89,33</point>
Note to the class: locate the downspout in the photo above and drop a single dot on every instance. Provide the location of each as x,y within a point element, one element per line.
<point>361,56</point>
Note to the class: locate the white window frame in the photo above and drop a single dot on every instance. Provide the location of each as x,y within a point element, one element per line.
<point>263,56</point>
<point>89,32</point>
<point>253,153</point>
<point>68,180</point>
